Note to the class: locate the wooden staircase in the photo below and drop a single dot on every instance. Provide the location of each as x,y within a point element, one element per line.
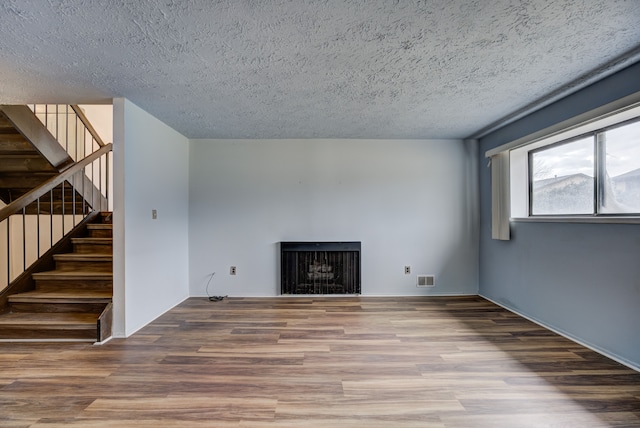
<point>29,155</point>
<point>73,301</point>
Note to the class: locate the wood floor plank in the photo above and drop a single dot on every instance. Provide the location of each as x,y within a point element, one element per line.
<point>442,362</point>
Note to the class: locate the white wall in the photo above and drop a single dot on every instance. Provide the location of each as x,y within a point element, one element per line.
<point>151,163</point>
<point>101,118</point>
<point>409,202</point>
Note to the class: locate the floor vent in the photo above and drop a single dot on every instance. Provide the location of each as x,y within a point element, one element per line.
<point>426,281</point>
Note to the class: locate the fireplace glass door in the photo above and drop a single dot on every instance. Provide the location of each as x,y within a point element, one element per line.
<point>320,268</point>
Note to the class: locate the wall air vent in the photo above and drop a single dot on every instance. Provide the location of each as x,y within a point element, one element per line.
<point>425,281</point>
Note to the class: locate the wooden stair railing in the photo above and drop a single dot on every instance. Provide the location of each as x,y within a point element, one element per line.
<point>87,124</point>
<point>65,288</point>
<point>22,202</point>
<point>73,299</point>
<point>41,200</point>
<point>38,141</point>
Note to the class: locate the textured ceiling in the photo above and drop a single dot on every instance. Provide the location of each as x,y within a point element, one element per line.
<point>310,68</point>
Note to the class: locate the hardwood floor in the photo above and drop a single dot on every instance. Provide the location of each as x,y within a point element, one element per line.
<point>321,362</point>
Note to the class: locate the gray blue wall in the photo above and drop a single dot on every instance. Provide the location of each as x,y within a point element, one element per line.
<point>580,279</point>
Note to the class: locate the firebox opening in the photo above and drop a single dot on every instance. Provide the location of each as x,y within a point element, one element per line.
<point>320,267</point>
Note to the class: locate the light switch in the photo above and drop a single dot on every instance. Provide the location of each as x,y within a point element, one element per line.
<point>154,214</point>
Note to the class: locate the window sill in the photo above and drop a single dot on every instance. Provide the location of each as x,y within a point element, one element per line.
<point>579,219</point>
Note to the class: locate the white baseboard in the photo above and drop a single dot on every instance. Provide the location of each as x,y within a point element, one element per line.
<point>564,334</point>
<point>104,341</point>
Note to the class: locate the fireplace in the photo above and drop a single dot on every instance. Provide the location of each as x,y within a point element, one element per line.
<point>320,267</point>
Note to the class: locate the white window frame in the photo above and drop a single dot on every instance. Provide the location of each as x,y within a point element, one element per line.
<point>514,186</point>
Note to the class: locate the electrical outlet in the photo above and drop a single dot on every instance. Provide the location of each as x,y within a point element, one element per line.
<point>232,270</point>
<point>407,270</point>
<point>154,214</point>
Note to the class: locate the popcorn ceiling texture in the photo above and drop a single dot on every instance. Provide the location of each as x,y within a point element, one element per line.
<point>309,68</point>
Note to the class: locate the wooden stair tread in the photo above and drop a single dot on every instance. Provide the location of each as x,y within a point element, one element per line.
<point>91,240</point>
<point>83,257</point>
<point>100,226</point>
<point>63,296</point>
<point>72,275</point>
<point>66,320</point>
<point>71,302</point>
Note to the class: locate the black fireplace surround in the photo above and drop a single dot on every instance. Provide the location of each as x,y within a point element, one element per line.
<point>320,267</point>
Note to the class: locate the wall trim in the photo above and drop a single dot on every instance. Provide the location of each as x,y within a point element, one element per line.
<point>571,337</point>
<point>306,296</point>
<point>614,108</point>
<point>108,339</point>
<point>143,326</point>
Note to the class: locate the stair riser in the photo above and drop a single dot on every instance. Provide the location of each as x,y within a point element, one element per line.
<point>14,143</point>
<point>24,163</point>
<point>55,285</point>
<point>86,248</point>
<point>106,217</point>
<point>90,308</point>
<point>71,266</point>
<point>23,183</point>
<point>75,294</point>
<point>49,332</point>
<point>100,233</point>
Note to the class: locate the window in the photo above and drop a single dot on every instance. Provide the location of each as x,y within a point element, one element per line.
<point>621,190</point>
<point>584,169</point>
<point>561,178</point>
<point>593,174</point>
